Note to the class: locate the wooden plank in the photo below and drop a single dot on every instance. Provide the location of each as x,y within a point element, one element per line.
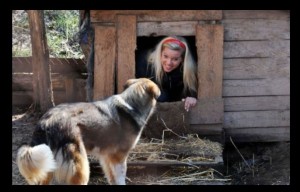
<point>274,48</point>
<point>22,98</point>
<point>167,28</point>
<point>70,89</point>
<point>257,14</point>
<point>247,119</point>
<point>104,66</point>
<point>42,87</point>
<point>156,15</point>
<point>256,87</point>
<point>22,82</point>
<point>256,103</point>
<point>26,98</point>
<point>207,111</point>
<point>58,65</point>
<point>258,134</point>
<point>209,42</point>
<point>255,29</point>
<point>256,68</point>
<point>126,41</point>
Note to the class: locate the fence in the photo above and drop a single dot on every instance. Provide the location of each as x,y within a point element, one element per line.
<point>67,76</point>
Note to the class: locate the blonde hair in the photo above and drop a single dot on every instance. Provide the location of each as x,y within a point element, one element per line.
<point>189,65</point>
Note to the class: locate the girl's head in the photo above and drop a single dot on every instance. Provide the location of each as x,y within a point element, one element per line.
<point>169,53</point>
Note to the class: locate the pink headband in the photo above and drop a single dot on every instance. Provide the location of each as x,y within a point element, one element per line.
<point>178,42</point>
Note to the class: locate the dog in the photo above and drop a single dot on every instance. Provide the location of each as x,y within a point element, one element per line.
<point>107,129</point>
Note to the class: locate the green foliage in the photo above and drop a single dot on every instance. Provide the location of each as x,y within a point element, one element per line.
<point>62,27</point>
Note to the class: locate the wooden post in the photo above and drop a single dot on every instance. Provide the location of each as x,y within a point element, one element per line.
<point>104,67</point>
<point>126,41</point>
<point>42,88</point>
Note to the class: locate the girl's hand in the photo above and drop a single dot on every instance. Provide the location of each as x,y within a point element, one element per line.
<point>189,102</point>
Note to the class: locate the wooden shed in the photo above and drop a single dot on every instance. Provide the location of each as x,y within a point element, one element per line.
<point>243,59</point>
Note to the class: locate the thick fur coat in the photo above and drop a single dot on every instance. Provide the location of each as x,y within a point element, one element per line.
<point>107,129</point>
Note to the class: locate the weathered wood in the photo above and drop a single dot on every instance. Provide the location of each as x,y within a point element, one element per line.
<point>24,98</point>
<point>104,67</point>
<point>256,103</point>
<point>126,40</point>
<point>256,68</point>
<point>255,29</point>
<point>167,28</point>
<point>258,134</point>
<point>256,87</point>
<point>57,65</point>
<point>22,82</point>
<point>274,48</point>
<point>256,14</point>
<point>156,15</point>
<point>209,42</point>
<point>70,89</point>
<point>42,88</point>
<point>207,111</point>
<point>247,119</point>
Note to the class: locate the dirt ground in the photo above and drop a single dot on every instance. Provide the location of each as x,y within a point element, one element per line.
<point>247,164</point>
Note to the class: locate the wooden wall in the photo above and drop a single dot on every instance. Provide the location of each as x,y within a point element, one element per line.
<point>246,94</point>
<point>256,81</point>
<point>67,76</point>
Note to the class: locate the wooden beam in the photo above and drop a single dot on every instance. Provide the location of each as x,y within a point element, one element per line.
<point>256,87</point>
<point>43,95</point>
<point>248,119</point>
<point>126,40</point>
<point>257,49</point>
<point>257,14</point>
<point>209,42</point>
<point>104,67</point>
<point>256,68</point>
<point>167,28</point>
<point>258,103</point>
<point>156,15</point>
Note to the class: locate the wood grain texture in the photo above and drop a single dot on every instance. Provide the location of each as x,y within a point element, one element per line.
<point>209,42</point>
<point>42,87</point>
<point>256,87</point>
<point>247,119</point>
<point>256,14</point>
<point>104,66</point>
<point>126,40</point>
<point>156,15</point>
<point>181,28</point>
<point>259,103</point>
<point>255,29</point>
<point>274,48</point>
<point>256,68</point>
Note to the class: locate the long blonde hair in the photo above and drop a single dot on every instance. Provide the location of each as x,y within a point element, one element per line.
<point>189,65</point>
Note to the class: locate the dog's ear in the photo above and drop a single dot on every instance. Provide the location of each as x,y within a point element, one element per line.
<point>129,82</point>
<point>152,89</point>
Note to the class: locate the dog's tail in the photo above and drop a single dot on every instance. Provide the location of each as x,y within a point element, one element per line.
<point>35,163</point>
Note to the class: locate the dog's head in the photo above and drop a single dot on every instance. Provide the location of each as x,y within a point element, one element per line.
<point>143,85</point>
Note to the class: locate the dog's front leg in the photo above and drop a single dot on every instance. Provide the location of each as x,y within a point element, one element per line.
<point>120,173</point>
<point>114,167</point>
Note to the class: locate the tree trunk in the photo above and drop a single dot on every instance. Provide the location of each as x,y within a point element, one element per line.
<point>42,87</point>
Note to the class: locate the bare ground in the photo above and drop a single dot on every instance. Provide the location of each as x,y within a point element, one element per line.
<point>254,164</point>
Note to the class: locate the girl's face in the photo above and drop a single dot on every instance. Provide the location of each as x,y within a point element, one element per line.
<point>170,59</point>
